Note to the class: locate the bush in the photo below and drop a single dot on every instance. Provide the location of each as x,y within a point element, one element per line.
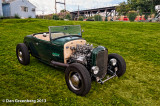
<point>80,18</point>
<point>68,16</point>
<point>132,15</point>
<point>17,16</point>
<point>30,17</point>
<point>61,18</point>
<point>146,15</point>
<point>1,17</point>
<point>55,17</point>
<point>97,18</point>
<point>106,18</point>
<point>91,17</point>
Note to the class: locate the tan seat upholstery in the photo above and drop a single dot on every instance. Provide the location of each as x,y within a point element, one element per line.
<point>40,36</point>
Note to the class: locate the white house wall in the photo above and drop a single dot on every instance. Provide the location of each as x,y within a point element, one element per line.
<point>15,7</point>
<point>1,12</point>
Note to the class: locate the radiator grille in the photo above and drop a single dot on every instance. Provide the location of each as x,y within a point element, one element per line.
<point>101,62</point>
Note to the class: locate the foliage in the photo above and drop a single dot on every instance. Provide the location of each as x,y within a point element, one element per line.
<point>30,17</point>
<point>97,17</point>
<point>68,16</point>
<point>138,43</point>
<point>1,17</point>
<point>64,14</point>
<point>55,17</point>
<point>17,16</point>
<point>142,6</point>
<point>146,15</point>
<point>62,11</point>
<point>106,18</point>
<point>91,17</point>
<point>81,18</point>
<point>123,8</point>
<point>132,15</point>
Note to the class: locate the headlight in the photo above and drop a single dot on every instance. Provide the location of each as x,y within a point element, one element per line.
<point>95,70</point>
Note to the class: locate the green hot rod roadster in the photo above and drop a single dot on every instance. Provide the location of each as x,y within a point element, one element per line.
<point>63,46</point>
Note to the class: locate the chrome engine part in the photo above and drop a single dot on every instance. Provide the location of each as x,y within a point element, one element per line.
<point>81,53</point>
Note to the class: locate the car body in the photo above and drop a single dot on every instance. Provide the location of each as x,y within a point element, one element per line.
<point>123,18</point>
<point>140,18</point>
<point>88,20</point>
<point>63,46</point>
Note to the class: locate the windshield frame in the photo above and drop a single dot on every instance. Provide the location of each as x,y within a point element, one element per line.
<point>65,35</point>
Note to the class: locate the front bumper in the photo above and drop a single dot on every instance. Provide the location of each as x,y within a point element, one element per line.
<point>103,81</point>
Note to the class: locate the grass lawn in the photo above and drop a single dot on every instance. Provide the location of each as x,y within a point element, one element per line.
<point>138,43</point>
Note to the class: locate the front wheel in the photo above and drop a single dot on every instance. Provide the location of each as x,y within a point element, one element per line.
<point>22,53</point>
<point>78,79</point>
<point>116,64</point>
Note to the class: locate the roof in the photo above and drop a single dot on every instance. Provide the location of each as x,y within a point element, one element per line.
<point>7,1</point>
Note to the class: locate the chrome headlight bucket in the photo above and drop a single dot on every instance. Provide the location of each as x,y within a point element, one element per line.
<point>95,70</point>
<point>113,62</point>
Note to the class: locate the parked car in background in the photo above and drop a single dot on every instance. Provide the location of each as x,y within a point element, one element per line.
<point>88,20</point>
<point>140,18</point>
<point>123,18</point>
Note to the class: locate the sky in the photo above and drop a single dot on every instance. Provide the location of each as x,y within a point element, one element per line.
<point>48,6</point>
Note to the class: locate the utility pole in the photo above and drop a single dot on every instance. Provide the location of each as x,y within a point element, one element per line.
<point>60,3</point>
<point>55,7</point>
<point>65,5</point>
<point>78,11</point>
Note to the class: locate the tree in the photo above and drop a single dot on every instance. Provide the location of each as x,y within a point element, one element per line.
<point>97,18</point>
<point>143,5</point>
<point>68,16</point>
<point>80,18</point>
<point>132,15</point>
<point>62,11</point>
<point>123,8</point>
<point>64,14</point>
<point>55,17</point>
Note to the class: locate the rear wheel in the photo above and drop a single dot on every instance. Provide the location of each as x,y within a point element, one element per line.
<point>117,64</point>
<point>22,53</point>
<point>78,79</point>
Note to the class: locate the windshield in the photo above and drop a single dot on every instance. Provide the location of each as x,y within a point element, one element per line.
<point>60,31</point>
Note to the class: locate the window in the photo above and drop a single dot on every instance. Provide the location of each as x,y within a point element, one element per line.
<point>25,9</point>
<point>33,9</point>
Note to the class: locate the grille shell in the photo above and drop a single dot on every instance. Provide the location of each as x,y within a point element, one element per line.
<point>101,62</point>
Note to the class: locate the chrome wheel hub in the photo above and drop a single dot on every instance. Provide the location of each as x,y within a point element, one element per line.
<point>20,55</point>
<point>114,65</point>
<point>74,80</point>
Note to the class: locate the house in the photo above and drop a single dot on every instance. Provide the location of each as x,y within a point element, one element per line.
<point>1,12</point>
<point>22,8</point>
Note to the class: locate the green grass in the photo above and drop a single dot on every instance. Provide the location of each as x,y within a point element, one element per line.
<point>138,43</point>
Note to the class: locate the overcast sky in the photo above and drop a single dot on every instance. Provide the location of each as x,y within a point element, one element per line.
<point>48,6</point>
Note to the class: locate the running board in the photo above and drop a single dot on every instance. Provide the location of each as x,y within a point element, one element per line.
<point>102,82</point>
<point>54,63</point>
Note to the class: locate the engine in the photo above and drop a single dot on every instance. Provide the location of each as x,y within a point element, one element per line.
<point>81,53</point>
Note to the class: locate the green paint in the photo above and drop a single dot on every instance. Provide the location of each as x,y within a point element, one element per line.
<point>62,41</point>
<point>55,54</point>
<point>48,50</point>
<point>95,52</point>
